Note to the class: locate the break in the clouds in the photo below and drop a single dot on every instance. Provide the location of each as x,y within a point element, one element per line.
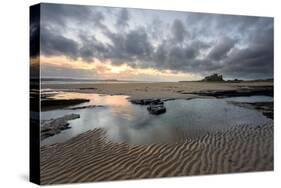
<point>179,43</point>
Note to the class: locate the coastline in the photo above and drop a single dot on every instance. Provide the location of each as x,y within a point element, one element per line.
<point>162,90</point>
<point>91,156</point>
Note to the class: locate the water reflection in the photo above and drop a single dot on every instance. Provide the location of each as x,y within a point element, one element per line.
<point>95,99</point>
<point>126,122</point>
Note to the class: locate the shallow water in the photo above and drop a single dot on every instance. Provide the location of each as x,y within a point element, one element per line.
<point>126,122</point>
<point>257,98</point>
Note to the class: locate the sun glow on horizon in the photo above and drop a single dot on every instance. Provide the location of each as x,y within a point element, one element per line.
<point>107,70</point>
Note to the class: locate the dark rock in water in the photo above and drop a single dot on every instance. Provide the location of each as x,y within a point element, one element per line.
<point>55,126</point>
<point>156,106</point>
<point>145,101</point>
<point>265,107</point>
<point>83,107</point>
<point>157,102</point>
<point>156,109</point>
<point>268,114</point>
<point>50,104</point>
<point>168,99</point>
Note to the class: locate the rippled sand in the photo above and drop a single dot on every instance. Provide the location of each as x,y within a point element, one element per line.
<point>92,157</point>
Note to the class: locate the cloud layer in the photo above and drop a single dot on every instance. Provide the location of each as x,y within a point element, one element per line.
<point>236,46</point>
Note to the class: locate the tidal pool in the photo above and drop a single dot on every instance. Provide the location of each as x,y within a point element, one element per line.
<point>127,122</point>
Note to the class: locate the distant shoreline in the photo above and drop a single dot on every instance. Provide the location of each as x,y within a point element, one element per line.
<point>162,90</point>
<point>74,80</point>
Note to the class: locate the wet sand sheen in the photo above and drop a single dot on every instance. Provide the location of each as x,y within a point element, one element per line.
<point>92,157</point>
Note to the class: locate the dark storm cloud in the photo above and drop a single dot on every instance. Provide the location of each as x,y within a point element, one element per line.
<point>153,29</point>
<point>91,47</point>
<point>177,57</point>
<point>179,31</point>
<point>130,47</point>
<point>123,18</point>
<point>56,44</point>
<point>221,48</point>
<point>256,60</point>
<point>59,14</point>
<point>237,46</point>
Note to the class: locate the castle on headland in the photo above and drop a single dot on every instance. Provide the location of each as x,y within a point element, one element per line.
<point>214,78</point>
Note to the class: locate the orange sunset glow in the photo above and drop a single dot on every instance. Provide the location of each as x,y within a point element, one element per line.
<point>106,69</point>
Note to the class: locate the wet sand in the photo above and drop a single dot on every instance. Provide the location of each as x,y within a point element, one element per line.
<point>92,157</point>
<point>163,90</point>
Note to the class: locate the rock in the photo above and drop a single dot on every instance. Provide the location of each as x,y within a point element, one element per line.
<point>145,101</point>
<point>239,92</point>
<point>156,106</point>
<point>83,107</point>
<point>268,114</point>
<point>55,126</point>
<point>50,104</point>
<point>265,107</point>
<point>157,102</point>
<point>156,109</point>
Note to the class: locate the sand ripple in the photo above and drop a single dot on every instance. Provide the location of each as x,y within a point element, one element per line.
<point>92,157</point>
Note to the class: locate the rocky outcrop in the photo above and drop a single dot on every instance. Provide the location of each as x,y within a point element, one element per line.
<point>83,107</point>
<point>265,107</point>
<point>156,106</point>
<point>145,101</point>
<point>55,126</point>
<point>156,109</point>
<point>51,104</point>
<point>239,92</point>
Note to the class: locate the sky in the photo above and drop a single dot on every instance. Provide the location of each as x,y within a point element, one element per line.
<point>151,45</point>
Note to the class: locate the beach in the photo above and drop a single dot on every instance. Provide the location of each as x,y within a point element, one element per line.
<point>93,156</point>
<point>161,90</point>
<point>123,94</point>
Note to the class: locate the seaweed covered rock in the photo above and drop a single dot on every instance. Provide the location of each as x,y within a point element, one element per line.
<point>156,109</point>
<point>51,104</point>
<point>55,126</point>
<point>145,101</point>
